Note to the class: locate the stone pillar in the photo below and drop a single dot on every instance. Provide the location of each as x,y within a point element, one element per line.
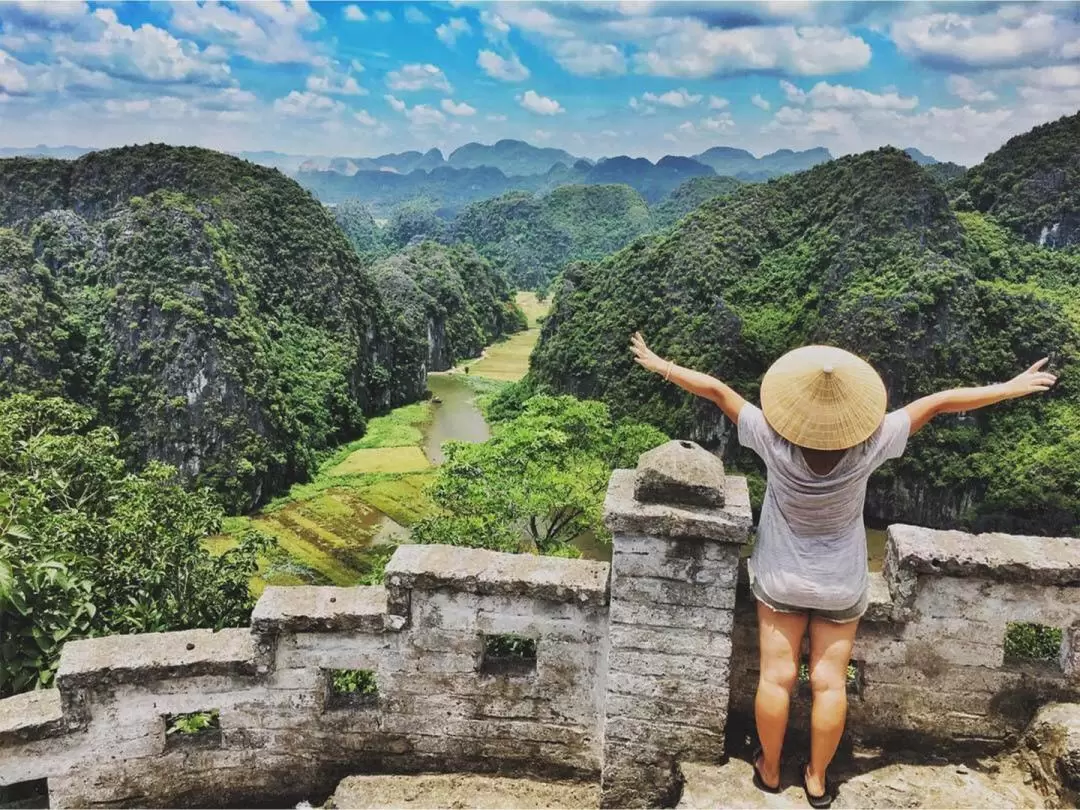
<point>1070,653</point>
<point>678,524</point>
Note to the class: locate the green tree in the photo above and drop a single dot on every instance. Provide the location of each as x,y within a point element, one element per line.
<point>88,548</point>
<point>538,482</point>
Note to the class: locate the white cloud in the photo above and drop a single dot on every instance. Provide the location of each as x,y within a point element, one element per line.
<point>837,96</point>
<point>449,31</point>
<point>418,77</point>
<point>609,133</point>
<point>718,123</point>
<point>687,127</point>
<point>495,117</point>
<point>307,105</point>
<point>792,93</point>
<point>717,103</point>
<point>416,16</point>
<point>641,107</point>
<point>353,13</point>
<point>1006,37</point>
<point>495,27</point>
<point>541,105</point>
<point>679,99</point>
<point>461,109</point>
<point>270,32</point>
<point>13,79</point>
<point>692,49</point>
<point>965,88</point>
<point>504,69</point>
<point>334,82</point>
<point>424,116</point>
<point>590,58</point>
<point>542,134</point>
<point>758,101</point>
<point>356,65</point>
<point>365,118</point>
<point>383,16</point>
<point>395,103</point>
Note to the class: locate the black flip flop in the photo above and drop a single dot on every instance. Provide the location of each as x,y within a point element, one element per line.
<point>822,801</point>
<point>759,783</point>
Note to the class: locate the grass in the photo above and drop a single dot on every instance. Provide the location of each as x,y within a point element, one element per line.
<point>382,460</point>
<point>508,360</point>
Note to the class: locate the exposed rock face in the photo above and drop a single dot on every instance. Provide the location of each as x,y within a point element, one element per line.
<point>1052,750</point>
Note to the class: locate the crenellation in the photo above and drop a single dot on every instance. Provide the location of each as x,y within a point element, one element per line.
<point>638,666</point>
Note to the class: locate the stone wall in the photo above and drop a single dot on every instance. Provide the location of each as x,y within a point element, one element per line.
<point>636,669</point>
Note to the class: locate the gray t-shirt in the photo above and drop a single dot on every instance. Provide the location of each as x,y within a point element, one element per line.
<point>811,543</point>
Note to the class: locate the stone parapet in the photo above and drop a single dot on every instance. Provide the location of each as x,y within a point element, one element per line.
<point>303,609</point>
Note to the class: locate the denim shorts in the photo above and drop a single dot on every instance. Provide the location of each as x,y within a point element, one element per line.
<point>839,616</point>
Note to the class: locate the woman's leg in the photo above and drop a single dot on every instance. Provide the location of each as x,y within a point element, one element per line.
<point>830,653</point>
<point>780,638</point>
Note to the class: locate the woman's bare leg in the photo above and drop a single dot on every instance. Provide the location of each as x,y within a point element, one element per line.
<point>830,653</point>
<point>780,638</point>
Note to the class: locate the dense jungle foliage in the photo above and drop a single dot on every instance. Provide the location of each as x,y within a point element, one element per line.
<point>207,308</point>
<point>1032,183</point>
<point>690,196</point>
<point>865,253</point>
<point>88,547</point>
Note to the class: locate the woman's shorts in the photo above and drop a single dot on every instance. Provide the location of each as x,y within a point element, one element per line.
<point>839,616</point>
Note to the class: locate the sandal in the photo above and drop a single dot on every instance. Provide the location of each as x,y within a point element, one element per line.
<point>759,783</point>
<point>822,801</point>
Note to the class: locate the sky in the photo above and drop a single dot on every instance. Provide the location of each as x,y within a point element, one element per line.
<point>955,80</point>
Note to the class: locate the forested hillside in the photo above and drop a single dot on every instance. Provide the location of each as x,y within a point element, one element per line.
<point>207,308</point>
<point>863,252</point>
<point>1032,184</point>
<point>689,196</point>
<point>532,237</point>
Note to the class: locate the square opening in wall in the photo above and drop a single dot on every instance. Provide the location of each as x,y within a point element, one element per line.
<point>350,688</point>
<point>195,729</point>
<point>1027,643</point>
<point>508,654</point>
<point>25,795</point>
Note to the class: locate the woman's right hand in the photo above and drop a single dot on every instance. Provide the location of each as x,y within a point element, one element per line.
<point>645,356</point>
<point>1032,381</point>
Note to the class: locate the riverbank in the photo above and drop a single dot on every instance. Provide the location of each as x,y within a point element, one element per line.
<point>340,527</point>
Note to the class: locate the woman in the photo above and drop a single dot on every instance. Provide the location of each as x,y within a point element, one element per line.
<point>822,429</point>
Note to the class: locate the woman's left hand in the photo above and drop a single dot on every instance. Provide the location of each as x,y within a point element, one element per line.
<point>644,355</point>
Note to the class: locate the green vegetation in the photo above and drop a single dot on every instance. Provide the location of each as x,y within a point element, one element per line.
<point>865,253</point>
<point>690,196</point>
<point>88,548</point>
<point>193,723</point>
<point>353,682</point>
<point>509,645</point>
<point>1032,642</point>
<point>538,482</point>
<point>1030,184</point>
<point>508,359</point>
<point>359,226</point>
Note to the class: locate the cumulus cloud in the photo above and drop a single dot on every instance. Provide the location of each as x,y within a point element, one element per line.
<point>453,28</point>
<point>396,104</point>
<point>590,58</point>
<point>718,123</point>
<point>461,109</point>
<point>335,82</point>
<point>424,116</point>
<point>353,13</point>
<point>542,134</point>
<point>365,118</point>
<point>641,107</point>
<point>679,99</point>
<point>495,117</point>
<point>383,16</point>
<point>416,16</point>
<point>506,69</point>
<point>541,105</point>
<point>495,27</point>
<point>967,89</point>
<point>759,101</point>
<point>307,105</point>
<point>717,103</point>
<point>418,77</point>
<point>263,32</point>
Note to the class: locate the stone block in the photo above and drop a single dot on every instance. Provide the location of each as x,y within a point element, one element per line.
<point>470,570</point>
<point>685,667</point>
<point>97,662</point>
<point>670,640</point>
<point>320,609</point>
<point>997,557</point>
<point>624,514</point>
<point>692,618</point>
<point>655,590</point>
<point>710,714</point>
<point>664,687</point>
<point>671,738</point>
<point>683,561</point>
<point>338,650</point>
<point>1070,653</point>
<point>31,716</point>
<point>680,472</point>
<point>1052,746</point>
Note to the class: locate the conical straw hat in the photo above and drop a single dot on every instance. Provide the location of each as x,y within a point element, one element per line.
<point>823,398</point>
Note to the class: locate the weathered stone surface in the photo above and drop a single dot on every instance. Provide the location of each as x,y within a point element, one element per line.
<point>680,472</point>
<point>491,572</point>
<point>686,667</point>
<point>693,618</point>
<point>304,608</point>
<point>624,514</point>
<point>31,716</point>
<point>670,640</point>
<point>1000,557</point>
<point>1070,653</point>
<point>660,686</point>
<point>881,604</point>
<point>1052,746</point>
<point>630,784</point>
<point>153,656</point>
<point>684,560</point>
<point>462,790</point>
<point>657,590</point>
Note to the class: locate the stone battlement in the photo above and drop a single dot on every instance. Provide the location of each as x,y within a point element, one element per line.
<point>629,669</point>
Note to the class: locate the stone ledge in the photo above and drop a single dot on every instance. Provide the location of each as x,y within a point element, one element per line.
<point>314,609</point>
<point>31,716</point>
<point>624,514</point>
<point>428,567</point>
<point>155,656</point>
<point>995,556</point>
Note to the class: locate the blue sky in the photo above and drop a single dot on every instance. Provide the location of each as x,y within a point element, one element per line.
<point>639,78</point>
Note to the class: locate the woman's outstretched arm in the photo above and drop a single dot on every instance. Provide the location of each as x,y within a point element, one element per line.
<point>957,400</point>
<point>693,381</point>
